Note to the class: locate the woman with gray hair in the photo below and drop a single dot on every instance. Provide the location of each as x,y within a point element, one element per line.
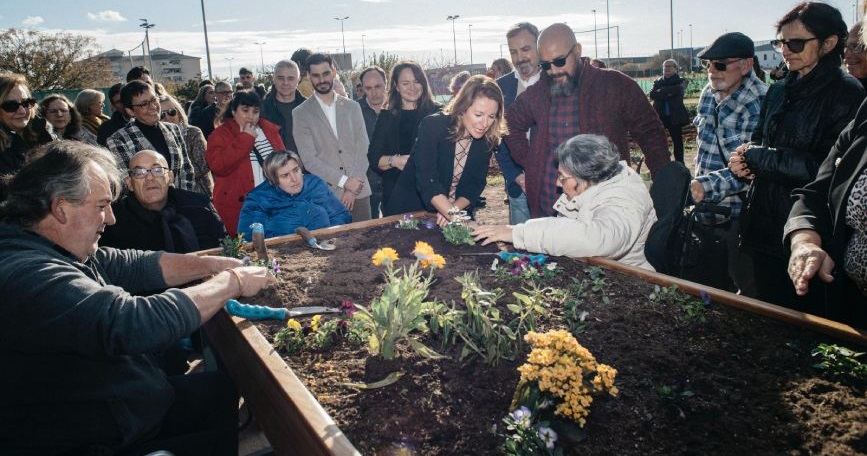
<point>605,209</point>
<point>289,199</point>
<point>90,104</point>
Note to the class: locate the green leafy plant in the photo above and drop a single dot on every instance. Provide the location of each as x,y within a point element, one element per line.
<point>574,315</point>
<point>408,222</point>
<point>319,333</point>
<point>840,362</point>
<point>458,234</point>
<point>531,304</point>
<point>526,436</point>
<point>692,309</point>
<point>233,246</point>
<point>401,308</point>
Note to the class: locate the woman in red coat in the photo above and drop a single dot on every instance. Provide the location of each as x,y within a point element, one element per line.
<point>236,151</point>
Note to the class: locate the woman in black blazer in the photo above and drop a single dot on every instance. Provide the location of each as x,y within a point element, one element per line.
<point>409,101</point>
<point>449,164</point>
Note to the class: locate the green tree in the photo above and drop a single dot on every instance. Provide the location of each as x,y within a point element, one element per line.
<point>53,61</point>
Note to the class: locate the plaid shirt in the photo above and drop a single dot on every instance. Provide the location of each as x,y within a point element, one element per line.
<point>562,125</point>
<point>129,140</point>
<point>722,126</point>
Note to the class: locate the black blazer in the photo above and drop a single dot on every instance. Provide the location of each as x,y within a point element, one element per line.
<point>430,169</point>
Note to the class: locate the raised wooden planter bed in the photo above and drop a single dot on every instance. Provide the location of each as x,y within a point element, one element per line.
<point>295,423</point>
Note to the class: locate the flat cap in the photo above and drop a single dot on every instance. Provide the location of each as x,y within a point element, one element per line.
<point>730,45</point>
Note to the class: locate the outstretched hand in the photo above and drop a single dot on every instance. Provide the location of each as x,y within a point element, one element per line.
<point>487,234</point>
<point>807,260</point>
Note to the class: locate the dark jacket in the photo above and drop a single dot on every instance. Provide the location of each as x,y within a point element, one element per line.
<point>75,349</point>
<point>430,169</point>
<point>205,120</point>
<point>821,206</point>
<point>110,126</point>
<point>281,213</point>
<point>799,123</point>
<point>509,85</point>
<point>12,157</point>
<point>272,113</point>
<point>386,141</point>
<point>667,96</point>
<point>187,224</point>
<point>610,104</point>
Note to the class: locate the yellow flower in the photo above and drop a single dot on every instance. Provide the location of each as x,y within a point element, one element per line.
<point>386,255</point>
<point>423,250</point>
<point>314,322</point>
<point>293,324</point>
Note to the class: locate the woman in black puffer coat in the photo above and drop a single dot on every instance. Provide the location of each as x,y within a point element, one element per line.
<point>801,118</point>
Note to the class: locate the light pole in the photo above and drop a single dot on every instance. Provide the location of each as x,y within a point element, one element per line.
<point>595,43</point>
<point>671,25</point>
<point>231,78</point>
<point>207,46</point>
<point>341,19</point>
<point>501,49</point>
<point>608,29</point>
<point>690,48</point>
<point>470,28</point>
<point>454,39</point>
<point>147,26</point>
<point>261,56</point>
<point>363,52</point>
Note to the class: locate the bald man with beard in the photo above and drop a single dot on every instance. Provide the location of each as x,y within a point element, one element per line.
<point>573,97</point>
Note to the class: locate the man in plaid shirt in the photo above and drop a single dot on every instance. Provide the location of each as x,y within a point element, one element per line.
<point>728,111</point>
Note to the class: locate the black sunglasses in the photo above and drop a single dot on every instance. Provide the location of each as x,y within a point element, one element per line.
<point>558,62</point>
<point>12,105</point>
<point>171,112</point>
<point>719,65</point>
<point>795,44</point>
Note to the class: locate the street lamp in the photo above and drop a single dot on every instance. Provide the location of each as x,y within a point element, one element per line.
<point>147,26</point>
<point>363,52</point>
<point>470,28</point>
<point>341,19</point>
<point>207,46</point>
<point>501,49</point>
<point>671,25</point>
<point>261,57</point>
<point>230,68</point>
<point>595,43</point>
<point>690,48</point>
<point>608,28</point>
<point>454,39</point>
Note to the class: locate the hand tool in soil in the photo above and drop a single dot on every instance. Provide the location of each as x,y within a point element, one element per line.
<point>312,242</point>
<point>258,231</point>
<point>506,256</point>
<point>254,312</point>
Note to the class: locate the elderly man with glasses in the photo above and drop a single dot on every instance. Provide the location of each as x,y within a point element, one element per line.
<point>575,97</point>
<point>146,132</point>
<point>153,215</point>
<point>855,55</point>
<point>727,113</point>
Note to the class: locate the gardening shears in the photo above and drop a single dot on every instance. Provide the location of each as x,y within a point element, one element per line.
<point>254,312</point>
<point>506,256</point>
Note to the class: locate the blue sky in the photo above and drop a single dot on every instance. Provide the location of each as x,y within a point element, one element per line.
<point>410,28</point>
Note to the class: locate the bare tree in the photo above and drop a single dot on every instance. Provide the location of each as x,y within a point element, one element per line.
<point>53,61</point>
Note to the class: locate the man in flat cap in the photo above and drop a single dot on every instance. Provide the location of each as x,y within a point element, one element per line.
<point>727,113</point>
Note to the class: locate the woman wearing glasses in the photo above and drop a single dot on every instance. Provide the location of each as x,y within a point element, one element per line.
<point>801,118</point>
<point>409,101</point>
<point>171,111</point>
<point>65,122</point>
<point>605,209</point>
<point>16,110</point>
<point>236,154</point>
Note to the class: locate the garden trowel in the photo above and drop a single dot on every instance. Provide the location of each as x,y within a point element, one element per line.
<point>254,312</point>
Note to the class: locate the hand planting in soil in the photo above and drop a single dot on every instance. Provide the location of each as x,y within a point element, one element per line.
<point>457,232</point>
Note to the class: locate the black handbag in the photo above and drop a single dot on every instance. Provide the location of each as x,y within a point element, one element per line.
<point>696,253</point>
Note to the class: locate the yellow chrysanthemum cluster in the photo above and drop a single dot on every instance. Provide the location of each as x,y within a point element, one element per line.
<point>427,257</point>
<point>560,366</point>
<point>385,255</point>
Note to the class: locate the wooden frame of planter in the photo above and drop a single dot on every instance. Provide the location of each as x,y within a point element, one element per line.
<point>295,423</point>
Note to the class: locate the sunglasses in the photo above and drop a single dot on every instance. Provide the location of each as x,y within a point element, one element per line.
<point>170,113</point>
<point>795,44</point>
<point>12,105</point>
<point>558,62</point>
<point>141,173</point>
<point>719,65</point>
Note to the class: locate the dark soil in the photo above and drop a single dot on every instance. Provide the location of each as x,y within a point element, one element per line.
<point>737,384</point>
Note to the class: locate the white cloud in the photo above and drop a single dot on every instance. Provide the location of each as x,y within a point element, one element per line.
<point>33,20</point>
<point>376,1</point>
<point>106,16</point>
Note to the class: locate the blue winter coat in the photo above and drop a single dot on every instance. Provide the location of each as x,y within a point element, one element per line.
<point>281,213</point>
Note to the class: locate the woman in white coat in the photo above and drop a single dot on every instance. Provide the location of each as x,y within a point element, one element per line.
<point>605,209</point>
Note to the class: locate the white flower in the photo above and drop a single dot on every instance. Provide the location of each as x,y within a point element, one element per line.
<point>551,266</point>
<point>494,264</point>
<point>522,416</point>
<point>548,436</point>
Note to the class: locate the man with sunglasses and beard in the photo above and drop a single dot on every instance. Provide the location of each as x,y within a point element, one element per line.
<point>574,98</point>
<point>728,111</point>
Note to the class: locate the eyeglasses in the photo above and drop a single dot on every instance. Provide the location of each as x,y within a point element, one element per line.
<point>719,65</point>
<point>57,112</point>
<point>224,92</point>
<point>558,62</point>
<point>153,102</point>
<point>561,178</point>
<point>12,105</point>
<point>856,48</point>
<point>795,44</point>
<point>170,113</point>
<point>141,173</point>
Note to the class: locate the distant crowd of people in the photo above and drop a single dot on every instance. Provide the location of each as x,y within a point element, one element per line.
<point>96,210</point>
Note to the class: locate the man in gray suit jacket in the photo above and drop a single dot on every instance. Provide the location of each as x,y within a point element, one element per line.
<point>331,138</point>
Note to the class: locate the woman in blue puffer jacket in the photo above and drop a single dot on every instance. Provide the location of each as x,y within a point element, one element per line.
<point>289,199</point>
